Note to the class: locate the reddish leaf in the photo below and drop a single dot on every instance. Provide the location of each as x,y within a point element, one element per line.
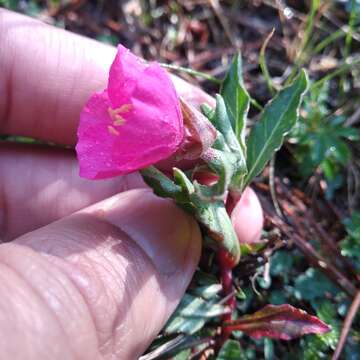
<point>279,322</point>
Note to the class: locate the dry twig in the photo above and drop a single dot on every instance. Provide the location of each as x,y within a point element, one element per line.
<point>347,326</point>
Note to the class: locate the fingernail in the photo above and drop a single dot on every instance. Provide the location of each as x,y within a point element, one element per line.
<point>158,226</point>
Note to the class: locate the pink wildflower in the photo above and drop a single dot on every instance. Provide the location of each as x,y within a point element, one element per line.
<point>132,124</point>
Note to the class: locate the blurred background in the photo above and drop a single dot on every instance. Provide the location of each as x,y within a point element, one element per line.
<point>311,191</point>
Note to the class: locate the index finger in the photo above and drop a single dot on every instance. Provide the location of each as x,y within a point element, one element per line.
<point>46,76</point>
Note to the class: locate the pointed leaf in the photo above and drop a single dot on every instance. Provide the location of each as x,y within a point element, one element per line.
<point>279,322</point>
<point>277,119</point>
<point>236,98</point>
<point>171,348</point>
<point>192,314</point>
<point>222,122</point>
<point>214,218</point>
<point>160,183</point>
<point>224,164</point>
<point>207,292</point>
<point>182,180</point>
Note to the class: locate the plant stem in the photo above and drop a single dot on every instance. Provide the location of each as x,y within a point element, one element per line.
<point>348,41</point>
<point>228,289</point>
<point>341,70</point>
<point>263,65</point>
<point>226,265</point>
<point>301,58</point>
<point>347,325</point>
<point>192,72</point>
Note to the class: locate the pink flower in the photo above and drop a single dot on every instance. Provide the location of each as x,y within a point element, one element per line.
<point>132,124</point>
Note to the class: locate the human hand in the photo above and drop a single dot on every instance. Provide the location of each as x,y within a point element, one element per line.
<point>93,269</point>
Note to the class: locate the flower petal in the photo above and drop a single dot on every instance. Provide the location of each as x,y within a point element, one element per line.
<point>95,145</point>
<point>124,74</point>
<point>135,123</point>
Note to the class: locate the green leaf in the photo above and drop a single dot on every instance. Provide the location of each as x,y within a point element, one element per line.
<point>222,122</point>
<point>349,133</point>
<point>353,225</point>
<point>192,314</point>
<point>207,292</point>
<point>182,180</point>
<point>224,164</point>
<point>340,150</point>
<point>326,311</point>
<point>184,355</point>
<point>177,348</point>
<point>231,350</point>
<point>312,285</point>
<point>350,246</point>
<point>219,226</point>
<point>282,264</point>
<point>236,98</point>
<point>277,119</point>
<point>268,349</point>
<point>160,183</point>
<point>10,4</point>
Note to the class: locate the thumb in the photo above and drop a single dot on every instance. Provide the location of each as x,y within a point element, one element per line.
<point>99,283</point>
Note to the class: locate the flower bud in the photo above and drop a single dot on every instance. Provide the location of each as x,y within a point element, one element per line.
<point>199,133</point>
<point>247,216</point>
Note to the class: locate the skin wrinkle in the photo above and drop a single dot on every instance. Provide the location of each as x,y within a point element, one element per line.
<point>61,282</point>
<point>73,270</point>
<point>46,305</point>
<point>69,88</point>
<point>4,210</point>
<point>100,266</point>
<point>6,98</point>
<point>131,281</point>
<point>32,293</point>
<point>134,280</point>
<point>67,267</point>
<point>70,271</point>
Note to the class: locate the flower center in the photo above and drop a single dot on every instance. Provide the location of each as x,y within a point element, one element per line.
<point>117,119</point>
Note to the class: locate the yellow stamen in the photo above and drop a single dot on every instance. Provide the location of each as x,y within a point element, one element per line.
<point>118,120</point>
<point>115,113</point>
<point>124,108</point>
<point>113,131</point>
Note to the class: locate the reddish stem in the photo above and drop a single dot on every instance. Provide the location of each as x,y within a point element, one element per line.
<point>224,258</point>
<point>226,264</point>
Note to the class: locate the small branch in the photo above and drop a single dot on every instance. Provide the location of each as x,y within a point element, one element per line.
<point>326,239</point>
<point>347,326</point>
<point>228,291</point>
<point>345,67</point>
<point>191,72</point>
<point>354,118</point>
<point>308,250</point>
<point>273,188</point>
<point>263,65</point>
<point>323,265</point>
<point>220,15</point>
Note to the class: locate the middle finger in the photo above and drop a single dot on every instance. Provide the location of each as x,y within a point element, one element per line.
<point>39,185</point>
